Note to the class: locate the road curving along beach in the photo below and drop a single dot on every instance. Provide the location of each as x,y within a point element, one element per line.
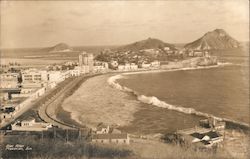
<point>102,99</point>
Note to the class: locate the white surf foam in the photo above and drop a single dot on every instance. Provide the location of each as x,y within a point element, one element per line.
<point>157,102</point>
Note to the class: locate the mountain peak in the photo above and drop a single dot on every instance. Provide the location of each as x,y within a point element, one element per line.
<point>220,30</point>
<point>149,43</point>
<point>61,47</point>
<point>216,39</point>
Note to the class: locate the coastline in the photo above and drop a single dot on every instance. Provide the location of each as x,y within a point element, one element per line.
<point>152,100</point>
<point>68,116</point>
<point>87,108</point>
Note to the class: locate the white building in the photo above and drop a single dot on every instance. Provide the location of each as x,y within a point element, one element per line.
<point>33,75</point>
<point>127,67</point>
<point>75,72</point>
<point>100,66</point>
<point>155,64</point>
<point>102,129</point>
<point>55,76</point>
<point>145,65</point>
<point>9,80</point>
<point>30,125</point>
<point>166,48</point>
<point>82,69</point>
<point>32,93</point>
<point>86,59</point>
<point>121,67</point>
<point>133,66</point>
<point>65,74</point>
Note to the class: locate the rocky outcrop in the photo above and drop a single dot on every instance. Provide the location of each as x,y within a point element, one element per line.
<point>217,39</point>
<point>61,47</point>
<point>149,43</point>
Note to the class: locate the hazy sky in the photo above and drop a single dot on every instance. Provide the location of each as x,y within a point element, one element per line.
<point>44,23</point>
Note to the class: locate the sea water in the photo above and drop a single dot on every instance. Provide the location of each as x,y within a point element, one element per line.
<point>172,100</point>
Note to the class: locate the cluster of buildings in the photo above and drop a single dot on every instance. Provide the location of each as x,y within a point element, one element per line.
<point>88,64</point>
<point>106,135</point>
<point>20,88</point>
<point>209,133</point>
<point>133,66</point>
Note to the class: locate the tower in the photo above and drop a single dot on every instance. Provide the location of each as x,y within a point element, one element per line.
<point>81,57</point>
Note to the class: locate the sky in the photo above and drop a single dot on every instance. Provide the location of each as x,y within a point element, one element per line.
<point>81,23</point>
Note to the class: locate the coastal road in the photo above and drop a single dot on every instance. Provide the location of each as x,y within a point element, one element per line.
<point>48,110</point>
<point>37,102</point>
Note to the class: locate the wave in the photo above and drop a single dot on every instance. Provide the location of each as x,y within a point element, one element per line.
<point>112,81</point>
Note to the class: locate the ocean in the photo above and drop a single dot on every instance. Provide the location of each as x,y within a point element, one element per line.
<point>170,98</point>
<point>163,102</point>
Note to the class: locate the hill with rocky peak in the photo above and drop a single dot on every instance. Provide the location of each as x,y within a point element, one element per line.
<point>149,43</point>
<point>214,40</point>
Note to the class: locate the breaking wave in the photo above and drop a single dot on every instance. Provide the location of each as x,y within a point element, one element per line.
<point>112,81</point>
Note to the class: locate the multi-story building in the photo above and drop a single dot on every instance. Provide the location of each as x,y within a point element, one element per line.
<point>34,75</point>
<point>86,59</point>
<point>80,58</point>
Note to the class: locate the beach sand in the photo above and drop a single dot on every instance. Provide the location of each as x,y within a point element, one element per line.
<point>95,101</point>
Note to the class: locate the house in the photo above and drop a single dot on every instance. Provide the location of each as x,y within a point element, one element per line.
<point>30,125</point>
<point>155,64</point>
<point>102,129</point>
<point>121,67</point>
<point>145,65</point>
<point>120,138</point>
<point>133,66</point>
<point>207,139</point>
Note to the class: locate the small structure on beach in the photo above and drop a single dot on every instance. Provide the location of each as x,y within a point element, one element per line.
<point>30,125</point>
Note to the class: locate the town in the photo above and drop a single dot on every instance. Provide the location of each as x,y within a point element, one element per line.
<point>22,87</point>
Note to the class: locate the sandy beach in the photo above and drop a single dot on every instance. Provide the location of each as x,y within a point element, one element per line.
<point>96,101</point>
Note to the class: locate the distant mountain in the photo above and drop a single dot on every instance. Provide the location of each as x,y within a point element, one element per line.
<point>149,43</point>
<point>217,39</point>
<point>61,47</point>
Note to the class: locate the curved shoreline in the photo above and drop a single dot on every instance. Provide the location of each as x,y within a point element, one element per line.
<point>66,116</point>
<point>152,100</point>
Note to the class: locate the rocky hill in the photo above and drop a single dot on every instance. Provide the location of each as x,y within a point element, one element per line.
<point>217,39</point>
<point>61,47</point>
<point>149,43</point>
